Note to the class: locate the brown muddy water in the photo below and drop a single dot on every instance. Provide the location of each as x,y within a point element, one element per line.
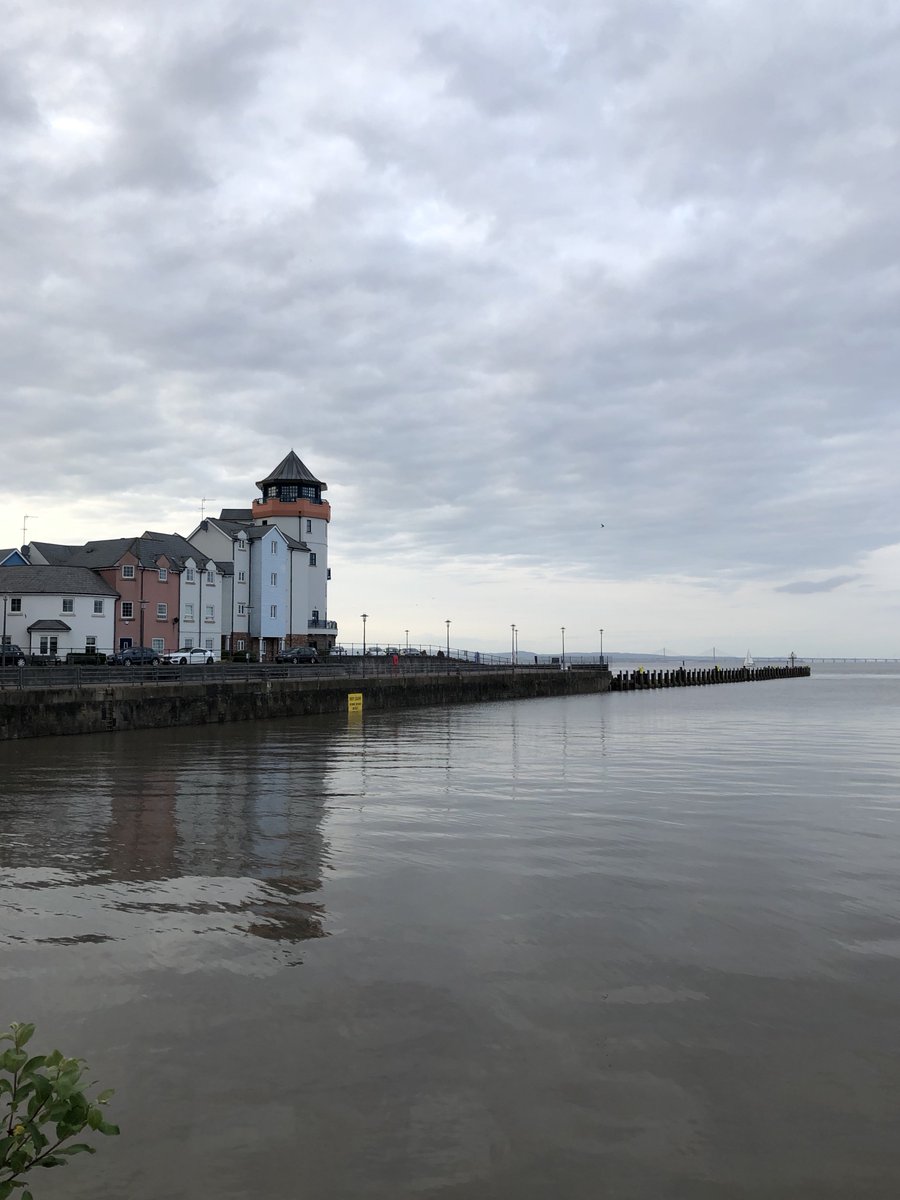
<point>633,946</point>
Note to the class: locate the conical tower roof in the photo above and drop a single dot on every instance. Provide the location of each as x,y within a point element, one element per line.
<point>290,470</point>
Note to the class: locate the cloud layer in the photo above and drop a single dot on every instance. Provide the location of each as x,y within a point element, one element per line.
<point>501,274</point>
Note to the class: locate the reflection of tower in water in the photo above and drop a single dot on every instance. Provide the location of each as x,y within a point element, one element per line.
<point>241,804</point>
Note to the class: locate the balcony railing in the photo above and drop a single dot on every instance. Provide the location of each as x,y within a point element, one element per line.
<point>321,625</point>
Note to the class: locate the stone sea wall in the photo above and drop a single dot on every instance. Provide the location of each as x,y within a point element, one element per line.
<point>49,712</point>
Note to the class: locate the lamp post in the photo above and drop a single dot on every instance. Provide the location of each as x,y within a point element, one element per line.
<point>512,647</point>
<point>601,644</point>
<point>5,602</point>
<point>562,630</point>
<point>447,623</point>
<point>407,638</point>
<point>365,617</point>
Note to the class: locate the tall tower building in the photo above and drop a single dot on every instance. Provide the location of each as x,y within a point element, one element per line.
<point>291,498</point>
<point>275,555</point>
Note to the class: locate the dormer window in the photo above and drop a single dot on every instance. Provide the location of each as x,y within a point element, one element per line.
<point>163,574</point>
<point>128,571</point>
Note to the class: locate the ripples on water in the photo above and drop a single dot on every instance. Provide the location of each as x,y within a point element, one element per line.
<point>633,946</point>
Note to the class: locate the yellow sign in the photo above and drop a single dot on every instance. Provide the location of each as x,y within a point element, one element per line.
<point>354,702</point>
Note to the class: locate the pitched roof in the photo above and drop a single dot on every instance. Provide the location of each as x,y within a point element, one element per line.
<point>255,532</point>
<point>102,553</point>
<point>5,554</point>
<point>176,548</point>
<point>242,515</point>
<point>49,626</point>
<point>55,580</point>
<point>291,470</point>
<point>54,552</point>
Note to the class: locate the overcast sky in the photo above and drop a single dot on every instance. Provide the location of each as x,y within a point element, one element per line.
<point>586,312</point>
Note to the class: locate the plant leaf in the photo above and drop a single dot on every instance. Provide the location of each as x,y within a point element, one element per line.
<point>24,1034</point>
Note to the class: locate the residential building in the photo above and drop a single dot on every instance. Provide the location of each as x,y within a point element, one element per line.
<point>278,554</point>
<point>165,599</point>
<point>52,610</point>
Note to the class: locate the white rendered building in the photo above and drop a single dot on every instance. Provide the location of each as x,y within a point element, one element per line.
<point>276,555</point>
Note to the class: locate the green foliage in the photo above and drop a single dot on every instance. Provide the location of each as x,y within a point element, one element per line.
<point>42,1108</point>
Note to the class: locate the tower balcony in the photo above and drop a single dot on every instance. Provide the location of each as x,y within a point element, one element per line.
<point>271,509</point>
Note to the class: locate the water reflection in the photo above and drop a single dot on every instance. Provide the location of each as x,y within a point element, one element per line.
<point>176,835</point>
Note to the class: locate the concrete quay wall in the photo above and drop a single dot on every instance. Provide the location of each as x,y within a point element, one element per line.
<point>53,712</point>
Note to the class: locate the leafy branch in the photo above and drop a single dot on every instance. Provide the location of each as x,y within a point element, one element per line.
<point>43,1106</point>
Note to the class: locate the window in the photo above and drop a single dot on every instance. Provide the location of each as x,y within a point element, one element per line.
<point>15,604</point>
<point>274,546</point>
<point>68,606</point>
<point>273,579</point>
<point>312,560</point>
<point>210,612</point>
<point>163,574</point>
<point>158,644</point>
<point>127,610</point>
<point>315,614</point>
<point>242,576</point>
<point>328,572</point>
<point>309,526</point>
<point>162,612</point>
<point>289,491</point>
<point>49,645</point>
<point>128,572</point>
<point>242,609</point>
<point>98,608</point>
<point>188,574</point>
<point>189,612</point>
<point>242,545</point>
<point>209,643</point>
<point>188,642</point>
<point>211,578</point>
<point>273,610</point>
<point>241,645</point>
<point>308,493</point>
<point>90,644</point>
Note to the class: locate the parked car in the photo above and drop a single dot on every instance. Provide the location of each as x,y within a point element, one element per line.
<point>299,655</point>
<point>11,656</point>
<point>135,656</point>
<point>192,654</point>
<point>374,651</point>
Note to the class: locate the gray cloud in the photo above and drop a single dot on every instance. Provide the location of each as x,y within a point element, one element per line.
<point>805,588</point>
<point>509,276</point>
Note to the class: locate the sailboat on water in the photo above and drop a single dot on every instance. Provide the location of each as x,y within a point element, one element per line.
<point>748,661</point>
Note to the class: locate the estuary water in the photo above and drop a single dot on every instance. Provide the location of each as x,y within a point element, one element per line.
<point>638,946</point>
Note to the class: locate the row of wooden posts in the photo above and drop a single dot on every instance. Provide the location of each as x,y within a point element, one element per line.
<point>639,680</point>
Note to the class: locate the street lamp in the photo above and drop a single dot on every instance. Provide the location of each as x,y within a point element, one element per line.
<point>5,602</point>
<point>407,638</point>
<point>365,617</point>
<point>447,623</point>
<point>512,647</point>
<point>562,630</point>
<point>601,643</point>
